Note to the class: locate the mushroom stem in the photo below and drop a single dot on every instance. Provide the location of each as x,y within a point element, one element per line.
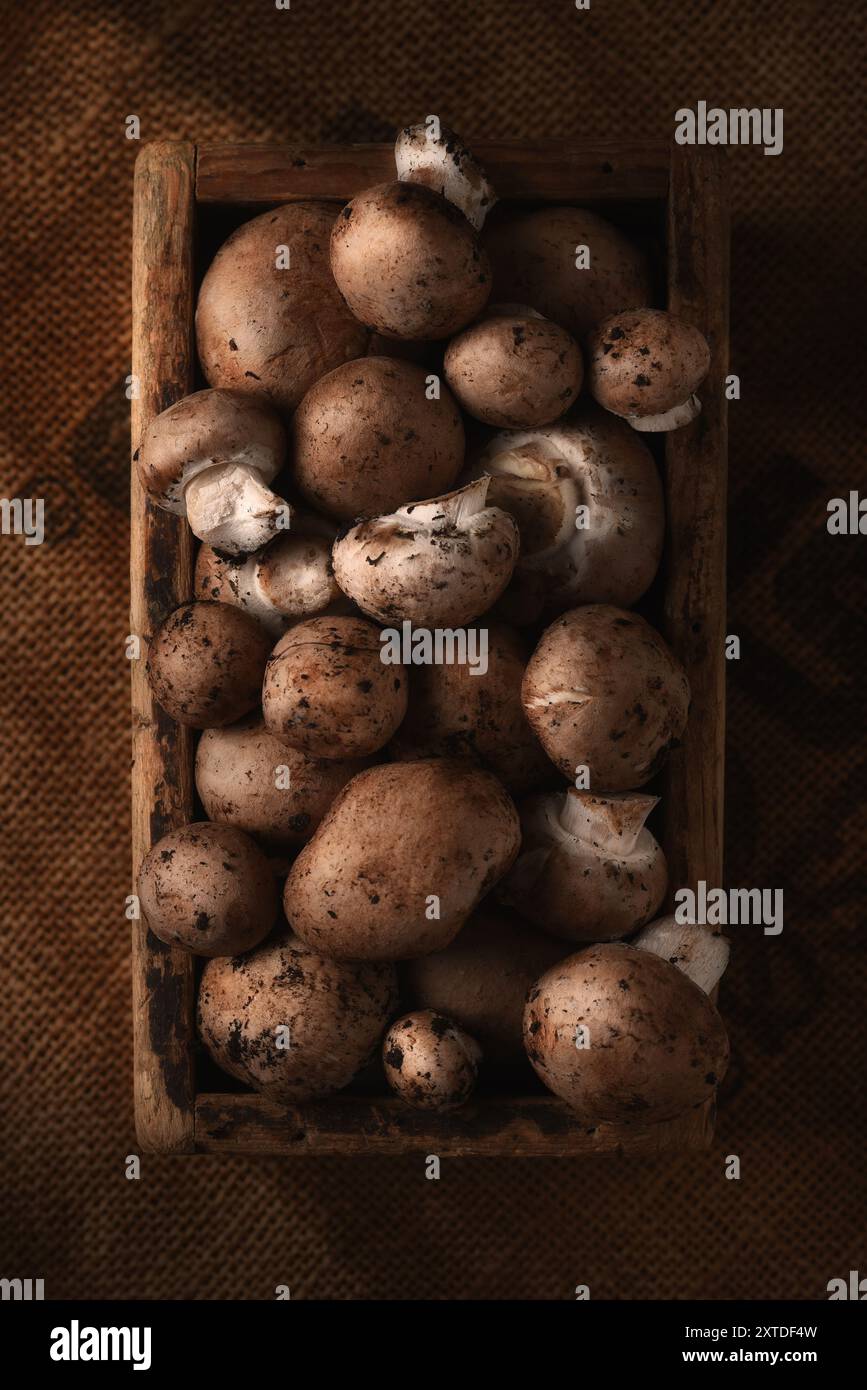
<point>443,163</point>
<point>610,823</point>
<point>230,507</point>
<point>701,954</point>
<point>452,511</point>
<point>673,419</point>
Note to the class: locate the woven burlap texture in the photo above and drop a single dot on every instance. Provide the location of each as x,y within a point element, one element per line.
<point>328,71</point>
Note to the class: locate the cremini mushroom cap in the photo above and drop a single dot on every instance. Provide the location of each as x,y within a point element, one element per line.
<point>534,261</point>
<point>589,869</point>
<point>441,562</point>
<point>646,366</point>
<point>408,263</point>
<point>587,499</point>
<point>290,1023</point>
<point>209,889</point>
<point>366,439</point>
<point>515,370</point>
<point>247,778</point>
<point>623,1036</point>
<point>603,691</point>
<point>429,1062</point>
<point>206,664</point>
<point>392,872</point>
<point>328,691</point>
<point>270,320</point>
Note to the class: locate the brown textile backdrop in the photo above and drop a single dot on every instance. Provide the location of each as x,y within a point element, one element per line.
<point>328,71</point>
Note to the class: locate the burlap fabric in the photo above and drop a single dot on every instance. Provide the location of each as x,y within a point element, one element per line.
<point>323,70</point>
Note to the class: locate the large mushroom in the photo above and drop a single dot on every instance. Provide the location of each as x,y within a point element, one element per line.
<point>328,692</point>
<point>247,778</point>
<point>290,1023</point>
<point>535,259</point>
<point>603,691</point>
<point>646,365</point>
<point>210,457</point>
<point>206,663</point>
<point>209,889</point>
<point>463,710</point>
<point>392,872</point>
<point>368,437</point>
<point>624,1037</point>
<point>514,368</point>
<point>408,263</point>
<point>438,563</point>
<point>587,499</point>
<point>589,869</point>
<point>270,319</point>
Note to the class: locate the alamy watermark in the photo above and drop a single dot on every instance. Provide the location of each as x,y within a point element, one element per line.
<point>23,516</point>
<point>439,646</point>
<point>730,907</point>
<point>737,126</point>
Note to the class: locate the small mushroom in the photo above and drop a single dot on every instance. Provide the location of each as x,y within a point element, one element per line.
<point>210,457</point>
<point>603,691</point>
<point>441,161</point>
<point>458,710</point>
<point>646,365</point>
<point>514,369</point>
<point>588,870</point>
<point>436,563</point>
<point>206,663</point>
<point>624,1037</point>
<point>328,692</point>
<point>270,319</point>
<point>587,500</point>
<point>393,872</point>
<point>366,438</point>
<point>408,263</point>
<point>290,579</point>
<point>247,778</point>
<point>481,980</point>
<point>209,889</point>
<point>701,954</point>
<point>430,1062</point>
<point>535,260</point>
<point>292,1025</point>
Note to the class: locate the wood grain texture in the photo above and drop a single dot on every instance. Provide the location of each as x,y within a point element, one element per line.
<point>554,170</point>
<point>696,481</point>
<point>160,577</point>
<point>519,1126</point>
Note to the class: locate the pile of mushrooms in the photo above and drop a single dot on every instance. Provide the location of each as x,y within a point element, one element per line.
<point>393,632</point>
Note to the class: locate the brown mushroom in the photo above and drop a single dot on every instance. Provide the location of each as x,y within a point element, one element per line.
<point>291,1024</point>
<point>392,871</point>
<point>588,870</point>
<point>603,691</point>
<point>209,457</point>
<point>429,1062</point>
<point>247,778</point>
<point>441,562</point>
<point>624,1037</point>
<point>646,366</point>
<point>514,369</point>
<point>408,263</point>
<point>534,261</point>
<point>270,320</point>
<point>209,889</point>
<point>206,663</point>
<point>367,438</point>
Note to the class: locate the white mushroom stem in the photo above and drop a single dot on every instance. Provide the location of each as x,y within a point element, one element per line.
<point>443,163</point>
<point>451,512</point>
<point>611,824</point>
<point>232,509</point>
<point>673,419</point>
<point>701,954</point>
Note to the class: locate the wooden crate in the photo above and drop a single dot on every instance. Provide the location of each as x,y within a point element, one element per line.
<point>174,186</point>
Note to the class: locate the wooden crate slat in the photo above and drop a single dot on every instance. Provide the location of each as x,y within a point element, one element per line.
<point>555,170</point>
<point>696,481</point>
<point>522,1126</point>
<point>160,573</point>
